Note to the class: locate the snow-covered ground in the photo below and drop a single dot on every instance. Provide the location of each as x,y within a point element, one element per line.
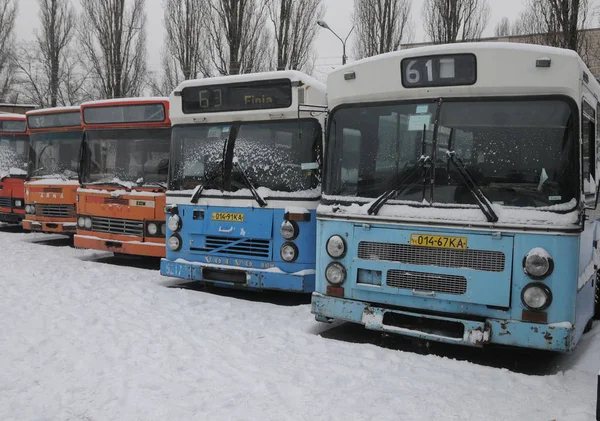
<point>84,340</point>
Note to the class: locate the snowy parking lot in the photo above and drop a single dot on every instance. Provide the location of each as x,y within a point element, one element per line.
<point>83,338</point>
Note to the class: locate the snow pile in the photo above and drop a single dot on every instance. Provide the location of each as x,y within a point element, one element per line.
<point>81,340</point>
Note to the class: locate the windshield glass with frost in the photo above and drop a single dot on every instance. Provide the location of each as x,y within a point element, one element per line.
<point>279,156</point>
<point>138,156</point>
<point>55,154</point>
<point>14,150</point>
<point>519,152</point>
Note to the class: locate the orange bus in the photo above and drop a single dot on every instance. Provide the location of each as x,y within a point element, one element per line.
<point>14,148</point>
<point>123,173</point>
<point>50,189</point>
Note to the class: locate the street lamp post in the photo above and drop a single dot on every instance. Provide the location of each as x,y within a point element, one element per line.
<point>324,25</point>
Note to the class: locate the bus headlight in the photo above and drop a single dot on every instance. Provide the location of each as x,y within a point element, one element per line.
<point>336,246</point>
<point>163,229</point>
<point>289,252</point>
<point>152,228</point>
<point>335,273</point>
<point>81,222</point>
<point>174,242</point>
<point>174,223</point>
<point>30,209</point>
<point>538,263</point>
<point>289,230</point>
<point>536,296</point>
<point>88,222</point>
<point>18,203</point>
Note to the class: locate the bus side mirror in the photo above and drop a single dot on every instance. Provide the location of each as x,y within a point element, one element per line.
<point>590,193</point>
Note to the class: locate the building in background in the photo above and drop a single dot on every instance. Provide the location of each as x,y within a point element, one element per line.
<point>16,108</point>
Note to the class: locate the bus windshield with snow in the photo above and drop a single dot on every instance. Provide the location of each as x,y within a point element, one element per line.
<point>14,150</point>
<point>123,172</point>
<point>459,196</point>
<point>50,189</point>
<point>245,180</point>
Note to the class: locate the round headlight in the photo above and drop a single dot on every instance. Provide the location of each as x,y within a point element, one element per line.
<point>18,203</point>
<point>174,242</point>
<point>152,228</point>
<point>336,246</point>
<point>335,273</point>
<point>289,230</point>
<point>538,263</point>
<point>88,222</point>
<point>536,296</point>
<point>289,252</point>
<point>81,222</point>
<point>27,208</point>
<point>163,229</point>
<point>174,223</point>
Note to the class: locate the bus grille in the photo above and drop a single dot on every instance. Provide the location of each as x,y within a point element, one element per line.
<point>55,211</point>
<point>434,282</point>
<point>117,226</point>
<point>234,247</point>
<point>5,202</point>
<point>485,260</point>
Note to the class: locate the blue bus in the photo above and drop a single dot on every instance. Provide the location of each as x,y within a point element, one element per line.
<point>245,181</point>
<point>459,196</point>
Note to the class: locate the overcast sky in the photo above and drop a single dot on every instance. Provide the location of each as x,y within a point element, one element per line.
<point>328,46</point>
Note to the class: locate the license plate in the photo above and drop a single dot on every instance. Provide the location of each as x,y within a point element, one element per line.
<point>438,241</point>
<point>228,217</point>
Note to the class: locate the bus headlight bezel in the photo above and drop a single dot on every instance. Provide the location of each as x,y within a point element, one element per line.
<point>335,268</point>
<point>174,223</point>
<point>333,252</point>
<point>539,288</point>
<point>289,230</point>
<point>174,243</point>
<point>538,264</point>
<point>30,209</point>
<point>290,247</point>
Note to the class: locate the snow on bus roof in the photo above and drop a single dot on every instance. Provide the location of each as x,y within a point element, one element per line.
<point>122,100</point>
<point>12,116</point>
<point>293,75</point>
<point>54,110</point>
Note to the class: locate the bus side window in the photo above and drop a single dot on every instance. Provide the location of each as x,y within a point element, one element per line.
<point>588,139</point>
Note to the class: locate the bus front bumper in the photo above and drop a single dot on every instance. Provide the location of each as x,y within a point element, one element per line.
<point>558,337</point>
<point>11,217</point>
<point>236,277</point>
<point>65,228</point>
<point>136,248</point>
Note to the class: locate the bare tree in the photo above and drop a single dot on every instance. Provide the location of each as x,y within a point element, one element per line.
<point>239,40</point>
<point>381,26</point>
<point>502,28</point>
<point>8,16</point>
<point>186,50</point>
<point>113,39</point>
<point>43,64</point>
<point>295,30</point>
<point>448,21</point>
<point>557,23</point>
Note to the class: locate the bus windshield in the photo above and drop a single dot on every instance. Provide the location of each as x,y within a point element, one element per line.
<point>120,156</point>
<point>520,153</point>
<point>14,150</point>
<point>55,154</point>
<point>279,156</point>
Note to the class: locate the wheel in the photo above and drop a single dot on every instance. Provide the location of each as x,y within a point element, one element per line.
<point>589,326</point>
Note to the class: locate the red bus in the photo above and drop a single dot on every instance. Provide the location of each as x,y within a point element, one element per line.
<point>14,150</point>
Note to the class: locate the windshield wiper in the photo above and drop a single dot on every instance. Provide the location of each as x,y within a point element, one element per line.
<point>200,187</point>
<point>480,197</point>
<point>109,183</point>
<point>142,183</point>
<point>249,184</point>
<point>412,171</point>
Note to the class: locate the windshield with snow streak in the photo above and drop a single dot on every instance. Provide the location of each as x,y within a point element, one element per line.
<point>55,154</point>
<point>519,152</point>
<point>14,150</point>
<point>138,156</point>
<point>279,156</point>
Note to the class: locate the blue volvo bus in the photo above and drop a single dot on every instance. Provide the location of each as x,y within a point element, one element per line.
<point>459,196</point>
<point>245,181</point>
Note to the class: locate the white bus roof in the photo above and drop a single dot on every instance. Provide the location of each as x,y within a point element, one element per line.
<point>313,93</point>
<point>503,69</point>
<point>53,110</point>
<point>124,100</point>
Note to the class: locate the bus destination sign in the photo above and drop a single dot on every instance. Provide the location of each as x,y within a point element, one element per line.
<point>129,113</point>
<point>439,70</point>
<point>51,120</point>
<point>237,97</point>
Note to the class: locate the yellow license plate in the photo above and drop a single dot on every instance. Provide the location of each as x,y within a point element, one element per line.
<point>438,241</point>
<point>228,217</point>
